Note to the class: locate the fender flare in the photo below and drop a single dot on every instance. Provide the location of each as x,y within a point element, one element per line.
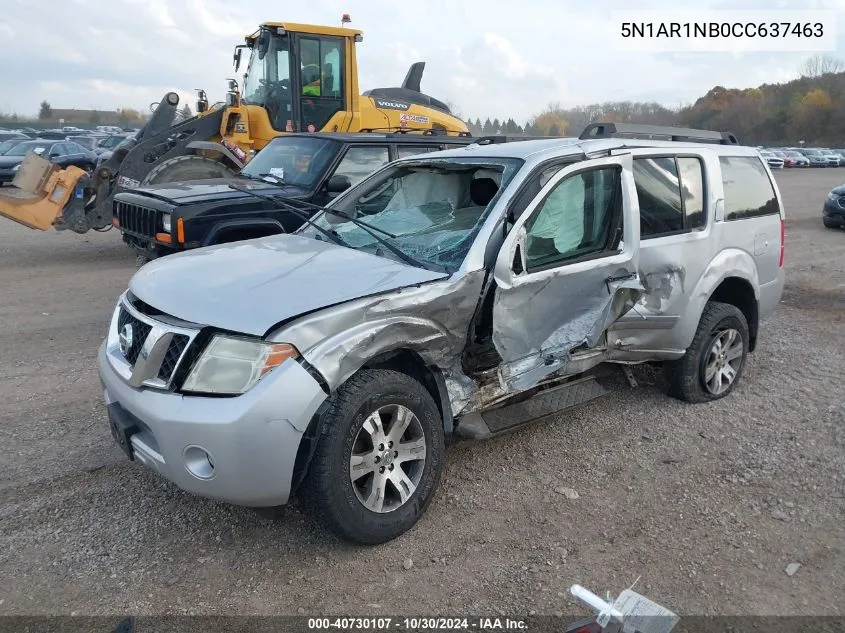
<point>221,227</point>
<point>211,146</point>
<point>730,262</point>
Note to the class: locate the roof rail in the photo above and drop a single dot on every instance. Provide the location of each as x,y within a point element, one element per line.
<point>493,139</point>
<point>656,132</point>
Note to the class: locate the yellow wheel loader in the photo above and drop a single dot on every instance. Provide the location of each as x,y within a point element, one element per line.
<point>300,78</point>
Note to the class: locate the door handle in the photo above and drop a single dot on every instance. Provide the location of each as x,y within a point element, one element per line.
<point>611,279</point>
<point>615,278</point>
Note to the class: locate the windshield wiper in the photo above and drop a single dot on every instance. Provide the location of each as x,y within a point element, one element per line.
<point>332,235</point>
<point>369,229</point>
<point>346,216</point>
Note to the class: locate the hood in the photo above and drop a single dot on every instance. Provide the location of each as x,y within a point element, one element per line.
<point>218,188</point>
<point>10,161</point>
<point>250,286</point>
<point>838,191</point>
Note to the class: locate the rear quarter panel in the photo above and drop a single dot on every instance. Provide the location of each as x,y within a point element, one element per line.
<point>681,272</point>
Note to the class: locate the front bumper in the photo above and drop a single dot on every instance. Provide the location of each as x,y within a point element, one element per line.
<point>252,439</point>
<point>833,213</point>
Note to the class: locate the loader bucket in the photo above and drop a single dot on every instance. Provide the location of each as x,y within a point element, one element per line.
<point>39,192</point>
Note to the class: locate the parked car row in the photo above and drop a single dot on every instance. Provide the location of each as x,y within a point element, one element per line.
<point>780,157</point>
<point>62,153</point>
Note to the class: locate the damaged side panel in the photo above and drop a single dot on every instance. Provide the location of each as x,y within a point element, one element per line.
<point>543,319</point>
<point>551,325</point>
<point>430,319</point>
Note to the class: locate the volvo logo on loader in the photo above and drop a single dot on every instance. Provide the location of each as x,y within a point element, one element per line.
<point>125,339</point>
<point>391,105</point>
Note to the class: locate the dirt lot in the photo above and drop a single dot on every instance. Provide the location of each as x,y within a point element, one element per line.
<point>707,503</point>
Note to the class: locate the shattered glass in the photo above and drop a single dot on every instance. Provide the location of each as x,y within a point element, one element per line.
<point>434,209</point>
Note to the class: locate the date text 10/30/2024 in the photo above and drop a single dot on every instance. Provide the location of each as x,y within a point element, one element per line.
<point>417,624</point>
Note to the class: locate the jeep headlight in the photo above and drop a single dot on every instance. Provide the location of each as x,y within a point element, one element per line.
<point>16,167</point>
<point>165,222</point>
<point>832,196</point>
<point>231,365</point>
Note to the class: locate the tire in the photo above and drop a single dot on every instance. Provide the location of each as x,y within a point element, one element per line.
<point>687,377</point>
<point>329,490</point>
<point>188,167</point>
<point>829,224</point>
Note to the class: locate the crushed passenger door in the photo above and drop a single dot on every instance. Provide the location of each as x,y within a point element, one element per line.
<point>566,272</point>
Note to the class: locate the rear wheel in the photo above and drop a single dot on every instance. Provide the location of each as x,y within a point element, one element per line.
<point>714,361</point>
<point>188,167</point>
<point>379,457</point>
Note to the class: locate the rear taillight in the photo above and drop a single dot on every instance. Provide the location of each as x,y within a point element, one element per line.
<point>782,242</point>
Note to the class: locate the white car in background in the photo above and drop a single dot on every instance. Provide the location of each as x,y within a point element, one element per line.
<point>774,161</point>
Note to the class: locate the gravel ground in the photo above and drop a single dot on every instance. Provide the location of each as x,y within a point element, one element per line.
<point>708,504</point>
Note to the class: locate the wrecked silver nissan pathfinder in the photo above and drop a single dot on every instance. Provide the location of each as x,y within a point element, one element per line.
<point>456,293</point>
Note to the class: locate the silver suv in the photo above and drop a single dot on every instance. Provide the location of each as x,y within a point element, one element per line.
<point>457,293</point>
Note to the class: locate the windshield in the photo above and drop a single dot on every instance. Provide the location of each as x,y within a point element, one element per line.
<point>5,146</point>
<point>433,208</point>
<point>111,142</point>
<point>267,79</point>
<point>21,149</point>
<point>88,142</point>
<point>293,160</point>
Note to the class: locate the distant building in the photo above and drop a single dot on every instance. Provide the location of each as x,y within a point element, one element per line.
<point>97,117</point>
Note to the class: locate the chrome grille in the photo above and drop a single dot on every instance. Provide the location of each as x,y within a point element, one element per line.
<point>150,353</point>
<point>171,358</point>
<point>140,331</point>
<point>136,219</point>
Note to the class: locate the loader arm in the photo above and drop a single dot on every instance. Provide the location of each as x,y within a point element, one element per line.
<point>43,196</point>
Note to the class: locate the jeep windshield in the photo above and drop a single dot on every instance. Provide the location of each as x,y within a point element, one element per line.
<point>432,208</point>
<point>293,160</point>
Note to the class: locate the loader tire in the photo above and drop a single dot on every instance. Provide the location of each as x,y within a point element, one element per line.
<point>188,167</point>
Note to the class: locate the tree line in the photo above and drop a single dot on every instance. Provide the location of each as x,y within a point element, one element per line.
<point>810,108</point>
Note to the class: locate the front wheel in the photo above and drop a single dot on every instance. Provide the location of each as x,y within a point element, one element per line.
<point>714,361</point>
<point>379,457</point>
<point>184,168</point>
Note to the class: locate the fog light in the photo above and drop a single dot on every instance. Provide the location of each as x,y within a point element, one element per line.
<point>198,462</point>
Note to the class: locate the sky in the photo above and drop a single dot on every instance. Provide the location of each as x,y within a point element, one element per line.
<point>496,58</point>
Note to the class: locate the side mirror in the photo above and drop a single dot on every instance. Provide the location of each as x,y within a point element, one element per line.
<point>338,183</point>
<point>237,58</point>
<point>54,155</point>
<point>510,262</point>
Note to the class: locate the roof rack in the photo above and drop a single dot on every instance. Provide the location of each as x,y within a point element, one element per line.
<point>656,132</point>
<point>495,139</point>
<point>414,131</point>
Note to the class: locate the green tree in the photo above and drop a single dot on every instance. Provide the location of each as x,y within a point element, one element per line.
<point>554,130</point>
<point>46,112</point>
<point>497,127</point>
<point>488,127</point>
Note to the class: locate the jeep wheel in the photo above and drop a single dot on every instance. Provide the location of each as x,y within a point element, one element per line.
<point>830,224</point>
<point>188,167</point>
<point>714,361</point>
<point>379,458</point>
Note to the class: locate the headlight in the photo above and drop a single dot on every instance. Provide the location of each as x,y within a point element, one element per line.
<point>233,366</point>
<point>16,167</point>
<point>165,222</point>
<point>832,196</point>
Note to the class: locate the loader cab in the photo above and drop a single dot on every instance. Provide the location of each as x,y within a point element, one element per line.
<point>300,76</point>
